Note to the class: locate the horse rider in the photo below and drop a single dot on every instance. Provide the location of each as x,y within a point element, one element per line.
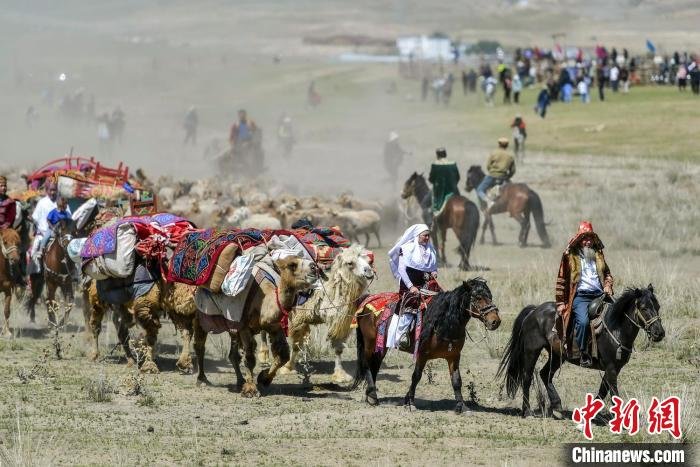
<point>41,222</point>
<point>444,176</point>
<point>583,276</point>
<point>242,131</point>
<point>60,213</point>
<point>413,263</point>
<point>393,156</point>
<point>8,206</point>
<point>500,167</point>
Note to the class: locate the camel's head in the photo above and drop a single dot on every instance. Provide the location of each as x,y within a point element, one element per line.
<point>297,273</point>
<point>354,264</point>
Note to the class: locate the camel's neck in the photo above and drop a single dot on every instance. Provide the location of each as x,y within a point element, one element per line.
<point>287,297</point>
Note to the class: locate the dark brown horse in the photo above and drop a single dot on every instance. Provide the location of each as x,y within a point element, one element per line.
<point>458,214</point>
<point>518,200</point>
<point>442,336</point>
<point>57,273</point>
<point>10,272</point>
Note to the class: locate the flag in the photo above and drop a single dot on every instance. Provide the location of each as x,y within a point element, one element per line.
<point>650,46</point>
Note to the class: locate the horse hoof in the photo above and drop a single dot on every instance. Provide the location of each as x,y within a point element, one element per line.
<point>203,381</point>
<point>185,368</point>
<point>150,367</point>
<point>249,391</point>
<point>340,377</point>
<point>94,356</point>
<point>372,400</point>
<point>557,414</point>
<point>527,414</point>
<point>264,379</point>
<point>285,370</point>
<point>460,408</point>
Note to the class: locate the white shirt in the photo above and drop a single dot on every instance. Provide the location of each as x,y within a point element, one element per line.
<point>590,282</point>
<point>41,212</point>
<point>614,73</point>
<point>582,87</point>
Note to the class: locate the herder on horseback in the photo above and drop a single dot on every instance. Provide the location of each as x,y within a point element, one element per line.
<point>413,262</point>
<point>500,167</point>
<point>444,176</point>
<point>584,275</point>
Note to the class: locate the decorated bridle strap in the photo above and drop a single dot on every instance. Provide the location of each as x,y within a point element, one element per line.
<point>284,319</point>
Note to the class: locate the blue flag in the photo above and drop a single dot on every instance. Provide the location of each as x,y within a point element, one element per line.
<point>650,46</point>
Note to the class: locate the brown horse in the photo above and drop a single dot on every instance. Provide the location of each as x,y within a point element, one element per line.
<point>458,214</point>
<point>9,271</point>
<point>57,273</point>
<point>442,336</point>
<point>518,200</point>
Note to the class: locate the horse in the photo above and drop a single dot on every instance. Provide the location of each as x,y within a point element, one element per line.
<point>458,214</point>
<point>10,270</point>
<point>635,309</point>
<point>442,336</point>
<point>518,200</point>
<point>57,273</point>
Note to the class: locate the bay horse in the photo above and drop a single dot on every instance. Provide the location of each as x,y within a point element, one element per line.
<point>442,336</point>
<point>57,268</point>
<point>518,200</point>
<point>635,309</point>
<point>459,214</point>
<point>10,271</point>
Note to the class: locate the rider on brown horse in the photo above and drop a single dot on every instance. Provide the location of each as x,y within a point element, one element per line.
<point>500,168</point>
<point>583,276</point>
<point>444,175</point>
<point>7,206</point>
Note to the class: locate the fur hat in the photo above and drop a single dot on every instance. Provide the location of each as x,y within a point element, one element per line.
<point>441,152</point>
<point>503,141</point>
<point>3,179</point>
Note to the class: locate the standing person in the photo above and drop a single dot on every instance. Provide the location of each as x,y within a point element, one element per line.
<point>614,77</point>
<point>424,85</point>
<point>583,276</point>
<point>313,98</point>
<point>190,124</point>
<point>625,79</point>
<point>117,124</point>
<point>507,85</point>
<point>542,102</point>
<point>393,156</point>
<point>444,176</point>
<point>681,77</point>
<point>519,137</point>
<point>413,263</point>
<point>694,72</point>
<point>500,167</point>
<point>472,78</point>
<point>600,81</point>
<point>103,134</point>
<point>517,87</point>
<point>8,206</point>
<point>583,90</point>
<point>465,82</point>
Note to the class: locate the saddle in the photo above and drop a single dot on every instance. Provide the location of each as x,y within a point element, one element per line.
<point>597,310</point>
<point>495,191</point>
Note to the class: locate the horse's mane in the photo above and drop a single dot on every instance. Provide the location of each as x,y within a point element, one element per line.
<point>445,315</point>
<point>626,299</point>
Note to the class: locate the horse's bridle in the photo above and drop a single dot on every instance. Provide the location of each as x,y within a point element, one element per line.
<point>7,250</point>
<point>639,317</point>
<point>481,313</point>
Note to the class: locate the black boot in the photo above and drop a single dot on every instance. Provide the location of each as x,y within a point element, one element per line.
<point>586,361</point>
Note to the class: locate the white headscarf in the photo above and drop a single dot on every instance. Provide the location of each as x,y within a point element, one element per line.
<point>415,255</point>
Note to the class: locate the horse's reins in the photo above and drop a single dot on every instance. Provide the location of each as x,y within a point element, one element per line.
<point>645,328</point>
<point>7,250</point>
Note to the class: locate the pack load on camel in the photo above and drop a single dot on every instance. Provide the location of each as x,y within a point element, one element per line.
<point>222,263</point>
<point>80,178</point>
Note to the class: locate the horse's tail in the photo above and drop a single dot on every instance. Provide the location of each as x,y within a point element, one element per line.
<point>361,363</point>
<point>535,204</point>
<point>512,362</point>
<point>470,227</point>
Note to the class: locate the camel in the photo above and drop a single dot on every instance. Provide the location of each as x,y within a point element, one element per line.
<point>265,309</point>
<point>177,300</point>
<point>9,271</point>
<point>334,304</point>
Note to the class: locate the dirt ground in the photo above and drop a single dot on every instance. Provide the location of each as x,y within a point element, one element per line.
<point>639,188</point>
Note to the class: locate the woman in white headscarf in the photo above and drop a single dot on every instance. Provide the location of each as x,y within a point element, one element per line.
<point>413,262</point>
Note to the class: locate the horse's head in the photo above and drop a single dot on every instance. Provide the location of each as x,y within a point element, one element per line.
<point>646,313</point>
<point>409,187</point>
<point>481,304</point>
<point>64,231</point>
<point>474,176</point>
<point>354,266</point>
<point>296,272</point>
<point>10,243</point>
